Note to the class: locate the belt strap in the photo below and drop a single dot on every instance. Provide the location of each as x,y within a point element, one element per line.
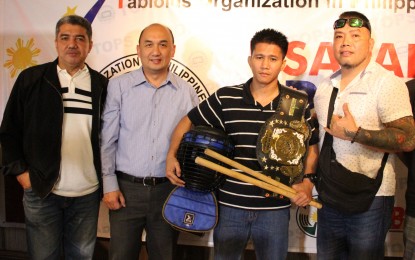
<point>146,181</point>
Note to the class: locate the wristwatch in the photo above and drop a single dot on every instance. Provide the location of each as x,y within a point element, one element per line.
<point>312,176</point>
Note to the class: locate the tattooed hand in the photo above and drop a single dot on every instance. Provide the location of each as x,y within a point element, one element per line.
<point>343,127</point>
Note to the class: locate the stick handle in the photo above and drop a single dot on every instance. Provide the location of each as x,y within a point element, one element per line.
<point>251,172</point>
<point>242,177</point>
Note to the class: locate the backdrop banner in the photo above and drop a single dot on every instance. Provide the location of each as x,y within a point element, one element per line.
<point>212,39</point>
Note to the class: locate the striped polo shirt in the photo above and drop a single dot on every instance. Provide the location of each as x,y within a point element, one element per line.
<point>234,110</point>
<point>78,175</point>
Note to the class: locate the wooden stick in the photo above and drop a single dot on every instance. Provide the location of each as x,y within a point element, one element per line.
<point>256,182</point>
<point>251,172</point>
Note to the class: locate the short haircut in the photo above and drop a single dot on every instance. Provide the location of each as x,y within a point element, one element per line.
<point>354,14</point>
<point>270,36</point>
<point>171,33</point>
<point>74,20</point>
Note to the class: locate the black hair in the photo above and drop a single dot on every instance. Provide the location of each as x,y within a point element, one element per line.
<point>270,36</point>
<point>354,14</point>
<point>74,20</point>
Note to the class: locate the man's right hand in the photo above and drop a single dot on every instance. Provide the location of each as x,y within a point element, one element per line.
<point>24,180</point>
<point>114,200</point>
<point>173,171</point>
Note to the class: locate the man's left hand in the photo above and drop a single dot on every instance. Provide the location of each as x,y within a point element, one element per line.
<point>343,127</point>
<point>304,192</point>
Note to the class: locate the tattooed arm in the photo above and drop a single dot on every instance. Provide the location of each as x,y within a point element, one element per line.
<point>397,136</point>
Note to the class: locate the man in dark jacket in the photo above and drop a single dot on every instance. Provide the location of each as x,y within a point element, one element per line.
<point>409,229</point>
<point>50,141</point>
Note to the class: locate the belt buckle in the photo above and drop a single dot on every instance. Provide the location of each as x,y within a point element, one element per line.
<point>149,181</point>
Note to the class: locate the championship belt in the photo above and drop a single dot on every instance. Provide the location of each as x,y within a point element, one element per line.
<point>194,208</point>
<point>283,140</point>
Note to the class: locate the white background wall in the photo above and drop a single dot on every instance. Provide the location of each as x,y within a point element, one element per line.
<point>212,39</point>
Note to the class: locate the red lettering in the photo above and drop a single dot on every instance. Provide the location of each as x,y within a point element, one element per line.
<point>411,59</point>
<point>325,47</point>
<point>395,66</point>
<point>301,60</point>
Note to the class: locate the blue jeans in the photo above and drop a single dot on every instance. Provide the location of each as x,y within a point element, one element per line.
<point>143,210</point>
<point>268,230</point>
<point>409,238</point>
<point>55,223</point>
<point>357,236</point>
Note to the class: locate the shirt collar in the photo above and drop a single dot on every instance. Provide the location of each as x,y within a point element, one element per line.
<point>249,99</point>
<point>247,95</point>
<point>79,72</point>
<point>336,76</point>
<point>140,78</point>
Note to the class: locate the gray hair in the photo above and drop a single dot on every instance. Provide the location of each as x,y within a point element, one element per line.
<point>74,20</point>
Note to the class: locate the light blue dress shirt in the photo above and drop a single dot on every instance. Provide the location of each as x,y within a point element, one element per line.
<point>138,120</point>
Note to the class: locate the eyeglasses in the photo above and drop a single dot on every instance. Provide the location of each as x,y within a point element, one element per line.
<point>353,22</point>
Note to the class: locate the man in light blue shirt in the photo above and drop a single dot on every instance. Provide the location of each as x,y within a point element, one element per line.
<point>141,111</point>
